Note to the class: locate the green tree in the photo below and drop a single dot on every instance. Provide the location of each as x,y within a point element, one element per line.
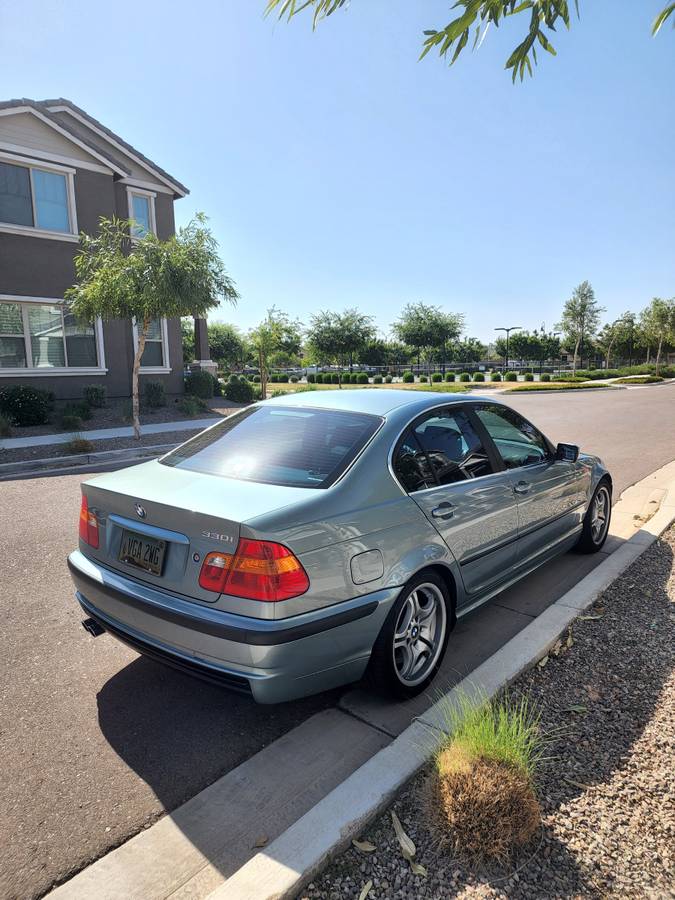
<point>147,278</point>
<point>266,340</point>
<point>580,318</point>
<point>613,336</point>
<point>473,22</point>
<point>468,350</point>
<point>337,337</point>
<point>427,329</point>
<point>226,344</point>
<point>658,322</point>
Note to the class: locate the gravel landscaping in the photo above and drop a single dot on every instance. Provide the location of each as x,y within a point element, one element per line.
<point>607,789</point>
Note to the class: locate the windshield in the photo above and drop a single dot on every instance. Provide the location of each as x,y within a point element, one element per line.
<point>298,447</point>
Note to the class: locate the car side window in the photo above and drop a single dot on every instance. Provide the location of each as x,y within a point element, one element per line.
<point>443,448</point>
<point>517,441</point>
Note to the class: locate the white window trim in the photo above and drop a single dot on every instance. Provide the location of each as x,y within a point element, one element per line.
<point>50,371</point>
<point>150,197</point>
<point>33,230</point>
<point>165,368</point>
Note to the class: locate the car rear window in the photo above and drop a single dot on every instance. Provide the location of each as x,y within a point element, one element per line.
<point>298,447</point>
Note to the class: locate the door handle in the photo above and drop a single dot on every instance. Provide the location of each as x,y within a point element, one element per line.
<point>443,511</point>
<point>521,487</point>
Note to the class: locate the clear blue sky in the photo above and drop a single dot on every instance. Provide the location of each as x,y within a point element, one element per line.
<point>338,171</point>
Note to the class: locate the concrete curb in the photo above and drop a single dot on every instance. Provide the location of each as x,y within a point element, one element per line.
<point>63,465</point>
<point>104,434</point>
<point>290,862</point>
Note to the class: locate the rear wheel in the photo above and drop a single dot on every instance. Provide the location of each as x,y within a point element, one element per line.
<point>596,520</point>
<point>410,647</point>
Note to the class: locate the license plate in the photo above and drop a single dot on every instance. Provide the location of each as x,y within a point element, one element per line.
<point>143,552</point>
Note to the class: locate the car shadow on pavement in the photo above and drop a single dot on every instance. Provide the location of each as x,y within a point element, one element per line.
<point>179,734</point>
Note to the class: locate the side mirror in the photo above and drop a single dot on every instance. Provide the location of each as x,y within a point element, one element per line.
<point>567,452</point>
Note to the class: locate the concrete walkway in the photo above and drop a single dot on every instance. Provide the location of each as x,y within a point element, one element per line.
<point>98,434</point>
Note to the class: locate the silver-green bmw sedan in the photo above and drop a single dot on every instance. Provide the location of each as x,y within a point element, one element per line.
<point>317,538</point>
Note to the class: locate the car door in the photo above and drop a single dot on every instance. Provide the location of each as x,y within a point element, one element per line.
<point>458,483</point>
<point>551,492</point>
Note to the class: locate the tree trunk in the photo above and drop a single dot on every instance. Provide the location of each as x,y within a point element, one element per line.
<point>658,354</point>
<point>609,351</point>
<point>263,375</point>
<point>142,334</point>
<point>574,360</point>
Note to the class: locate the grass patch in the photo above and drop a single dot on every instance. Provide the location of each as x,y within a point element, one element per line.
<point>481,794</point>
<point>557,386</point>
<point>640,379</point>
<point>79,444</point>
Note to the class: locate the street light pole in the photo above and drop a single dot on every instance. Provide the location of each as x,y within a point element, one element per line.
<point>508,332</point>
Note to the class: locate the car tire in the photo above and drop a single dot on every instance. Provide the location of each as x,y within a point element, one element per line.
<point>411,626</point>
<point>597,519</point>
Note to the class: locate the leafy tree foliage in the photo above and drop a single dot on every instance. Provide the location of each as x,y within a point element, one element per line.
<point>580,318</point>
<point>338,337</point>
<point>227,344</point>
<point>472,23</point>
<point>147,278</point>
<point>658,322</point>
<point>275,332</point>
<point>427,329</point>
<point>468,350</point>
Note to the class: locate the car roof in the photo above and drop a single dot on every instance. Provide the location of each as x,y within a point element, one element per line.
<point>376,401</point>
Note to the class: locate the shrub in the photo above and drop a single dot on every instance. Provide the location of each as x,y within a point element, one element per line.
<point>281,378</point>
<point>190,405</point>
<point>449,377</point>
<point>201,384</point>
<point>5,427</point>
<point>545,377</point>
<point>25,405</point>
<point>510,376</point>
<point>408,378</point>
<point>79,445</point>
<point>377,379</point>
<point>465,376</point>
<point>496,376</point>
<point>311,378</point>
<point>79,408</point>
<point>293,379</point>
<point>217,387</point>
<point>155,395</point>
<point>256,379</point>
<point>485,775</point>
<point>529,376</point>
<point>70,422</point>
<point>335,378</point>
<point>388,379</point>
<point>95,395</point>
<point>319,377</point>
<point>423,379</point>
<point>478,376</point>
<point>640,379</point>
<point>362,378</point>
<point>240,391</point>
<point>233,378</point>
<point>436,376</point>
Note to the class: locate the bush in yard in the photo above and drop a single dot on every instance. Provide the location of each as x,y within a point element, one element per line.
<point>155,395</point>
<point>377,379</point>
<point>529,376</point>
<point>449,377</point>
<point>240,391</point>
<point>510,376</point>
<point>201,384</point>
<point>496,376</point>
<point>78,408</point>
<point>5,427</point>
<point>79,445</point>
<point>482,795</point>
<point>70,422</point>
<point>362,378</point>
<point>311,378</point>
<point>293,379</point>
<point>95,395</point>
<point>388,379</point>
<point>189,406</point>
<point>465,376</point>
<point>25,405</point>
<point>234,378</point>
<point>545,377</point>
<point>335,378</point>
<point>478,376</point>
<point>408,378</point>
<point>436,376</point>
<point>256,379</point>
<point>318,378</point>
<point>423,379</point>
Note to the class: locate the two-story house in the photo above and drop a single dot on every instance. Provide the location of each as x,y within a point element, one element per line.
<point>60,171</point>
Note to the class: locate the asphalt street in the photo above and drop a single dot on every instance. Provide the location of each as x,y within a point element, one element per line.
<point>97,743</point>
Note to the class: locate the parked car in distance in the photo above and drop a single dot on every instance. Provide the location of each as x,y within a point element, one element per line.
<point>317,538</point>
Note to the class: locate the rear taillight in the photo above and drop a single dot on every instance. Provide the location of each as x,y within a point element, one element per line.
<point>258,570</point>
<point>88,524</point>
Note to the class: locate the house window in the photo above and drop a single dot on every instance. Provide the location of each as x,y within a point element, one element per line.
<point>142,213</point>
<point>36,335</point>
<point>155,353</point>
<point>32,197</point>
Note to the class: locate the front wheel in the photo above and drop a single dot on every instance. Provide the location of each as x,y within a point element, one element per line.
<point>410,647</point>
<point>596,520</point>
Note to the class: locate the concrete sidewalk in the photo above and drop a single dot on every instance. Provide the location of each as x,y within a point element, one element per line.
<point>98,434</point>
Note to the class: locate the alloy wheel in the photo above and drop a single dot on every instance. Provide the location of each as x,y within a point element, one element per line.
<point>419,634</point>
<point>600,515</point>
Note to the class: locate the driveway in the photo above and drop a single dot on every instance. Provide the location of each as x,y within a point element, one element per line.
<point>96,743</point>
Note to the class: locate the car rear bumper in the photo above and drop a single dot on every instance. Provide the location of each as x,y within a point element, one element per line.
<point>274,660</point>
